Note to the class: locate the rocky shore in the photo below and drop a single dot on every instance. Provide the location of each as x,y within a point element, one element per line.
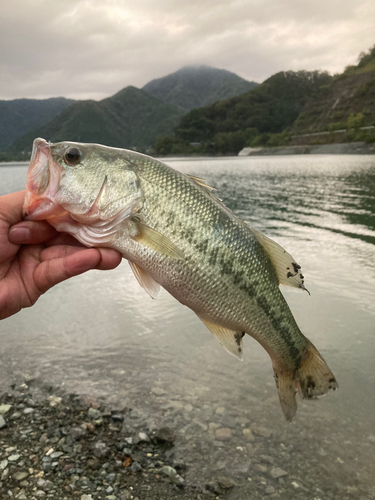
<point>65,446</point>
<point>60,446</point>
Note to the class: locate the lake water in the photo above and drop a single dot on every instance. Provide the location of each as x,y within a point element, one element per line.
<point>101,334</point>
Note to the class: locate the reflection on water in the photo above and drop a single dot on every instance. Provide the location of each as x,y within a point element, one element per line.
<point>101,333</point>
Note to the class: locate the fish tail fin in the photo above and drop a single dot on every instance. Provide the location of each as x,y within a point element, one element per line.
<point>311,380</point>
<point>287,388</point>
<point>314,377</point>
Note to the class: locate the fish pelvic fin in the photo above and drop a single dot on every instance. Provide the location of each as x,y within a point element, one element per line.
<point>229,339</point>
<point>314,378</point>
<point>145,280</point>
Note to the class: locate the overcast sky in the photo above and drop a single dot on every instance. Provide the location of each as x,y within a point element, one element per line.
<point>93,48</point>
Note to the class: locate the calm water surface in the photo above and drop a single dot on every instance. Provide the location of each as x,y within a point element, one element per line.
<point>101,334</point>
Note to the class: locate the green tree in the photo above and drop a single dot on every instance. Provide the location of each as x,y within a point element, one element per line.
<point>354,121</point>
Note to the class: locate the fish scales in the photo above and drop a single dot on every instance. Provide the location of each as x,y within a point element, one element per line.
<point>232,271</point>
<point>176,234</point>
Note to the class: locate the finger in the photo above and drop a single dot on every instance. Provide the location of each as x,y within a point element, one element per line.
<point>64,239</point>
<point>59,251</point>
<point>52,272</point>
<point>11,206</point>
<point>31,232</point>
<point>109,258</point>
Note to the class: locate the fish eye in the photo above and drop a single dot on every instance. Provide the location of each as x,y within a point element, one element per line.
<point>72,156</point>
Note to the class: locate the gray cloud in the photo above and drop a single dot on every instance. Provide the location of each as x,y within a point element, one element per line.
<point>92,49</point>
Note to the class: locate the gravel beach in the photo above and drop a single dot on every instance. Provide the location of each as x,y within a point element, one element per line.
<point>55,445</point>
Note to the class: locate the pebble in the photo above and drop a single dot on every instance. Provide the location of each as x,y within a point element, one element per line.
<point>4,409</point>
<point>165,434</point>
<point>135,467</point>
<point>20,476</point>
<point>143,437</point>
<point>172,474</point>
<point>117,417</point>
<point>54,401</point>
<point>269,490</point>
<point>3,464</point>
<point>225,482</point>
<point>223,434</point>
<point>2,422</point>
<point>276,472</point>
<point>16,415</point>
<point>158,391</point>
<point>14,458</point>
<point>248,435</point>
<point>259,430</point>
<point>260,468</point>
<point>27,411</point>
<point>100,449</point>
<point>94,414</point>
<point>220,410</point>
<point>86,497</point>
<point>77,433</point>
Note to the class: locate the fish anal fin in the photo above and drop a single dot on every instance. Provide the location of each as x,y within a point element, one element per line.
<point>229,339</point>
<point>314,378</point>
<point>287,270</point>
<point>151,286</point>
<point>156,241</point>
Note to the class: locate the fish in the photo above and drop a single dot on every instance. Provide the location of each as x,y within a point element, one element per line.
<point>177,234</point>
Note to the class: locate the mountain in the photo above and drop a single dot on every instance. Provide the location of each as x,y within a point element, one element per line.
<point>350,94</point>
<point>19,116</point>
<point>197,86</point>
<point>132,118</point>
<point>228,125</point>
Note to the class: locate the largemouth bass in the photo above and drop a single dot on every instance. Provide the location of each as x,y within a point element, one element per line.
<point>178,235</point>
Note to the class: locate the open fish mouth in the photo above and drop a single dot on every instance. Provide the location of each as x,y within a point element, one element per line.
<point>43,178</point>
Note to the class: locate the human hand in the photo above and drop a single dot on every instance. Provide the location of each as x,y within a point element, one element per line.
<point>34,257</point>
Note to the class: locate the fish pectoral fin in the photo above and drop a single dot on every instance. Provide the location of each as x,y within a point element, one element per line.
<point>229,339</point>
<point>287,270</point>
<point>156,241</point>
<point>151,286</point>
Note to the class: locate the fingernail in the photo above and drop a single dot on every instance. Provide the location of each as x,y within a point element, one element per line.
<point>19,235</point>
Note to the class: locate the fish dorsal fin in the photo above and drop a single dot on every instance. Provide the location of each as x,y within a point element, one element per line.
<point>229,339</point>
<point>151,286</point>
<point>287,270</point>
<point>201,182</point>
<point>156,241</point>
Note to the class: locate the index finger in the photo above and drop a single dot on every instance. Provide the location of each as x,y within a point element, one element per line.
<point>11,207</point>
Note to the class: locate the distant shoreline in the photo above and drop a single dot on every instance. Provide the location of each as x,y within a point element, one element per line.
<point>357,148</point>
<point>347,148</point>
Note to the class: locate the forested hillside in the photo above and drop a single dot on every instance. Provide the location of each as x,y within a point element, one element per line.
<point>19,116</point>
<point>130,119</point>
<point>228,125</point>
